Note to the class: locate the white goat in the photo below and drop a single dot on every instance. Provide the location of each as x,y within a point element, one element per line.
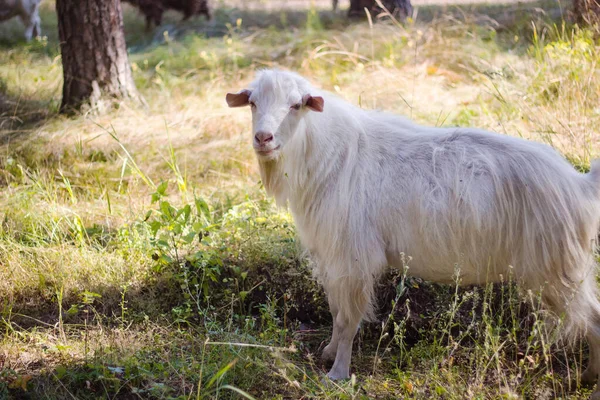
<point>27,10</point>
<point>366,187</point>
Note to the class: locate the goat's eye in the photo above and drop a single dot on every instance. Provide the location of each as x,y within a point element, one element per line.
<point>252,105</point>
<point>296,106</point>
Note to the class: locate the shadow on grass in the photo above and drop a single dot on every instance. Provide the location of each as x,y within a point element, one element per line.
<point>170,369</point>
<point>19,115</point>
<point>157,367</point>
<point>166,350</point>
<point>282,287</point>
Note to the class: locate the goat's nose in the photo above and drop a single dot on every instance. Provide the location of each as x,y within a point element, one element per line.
<point>263,137</point>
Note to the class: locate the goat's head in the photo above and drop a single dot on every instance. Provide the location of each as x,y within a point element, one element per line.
<point>278,100</point>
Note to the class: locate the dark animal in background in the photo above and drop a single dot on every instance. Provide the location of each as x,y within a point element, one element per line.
<point>401,8</point>
<point>153,9</point>
<point>27,10</point>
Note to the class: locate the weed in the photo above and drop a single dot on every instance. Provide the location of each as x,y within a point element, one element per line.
<point>140,257</point>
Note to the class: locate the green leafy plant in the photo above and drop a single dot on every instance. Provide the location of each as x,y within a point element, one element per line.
<point>180,239</point>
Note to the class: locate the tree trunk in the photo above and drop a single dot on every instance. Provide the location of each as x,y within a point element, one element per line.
<point>587,11</point>
<point>94,55</point>
<point>401,8</point>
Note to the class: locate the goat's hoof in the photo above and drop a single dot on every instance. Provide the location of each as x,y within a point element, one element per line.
<point>338,376</point>
<point>328,353</point>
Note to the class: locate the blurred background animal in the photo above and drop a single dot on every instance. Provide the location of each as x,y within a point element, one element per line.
<point>27,10</point>
<point>153,9</point>
<point>400,8</point>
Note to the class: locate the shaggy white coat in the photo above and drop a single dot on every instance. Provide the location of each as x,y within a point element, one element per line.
<point>366,187</point>
<point>27,10</point>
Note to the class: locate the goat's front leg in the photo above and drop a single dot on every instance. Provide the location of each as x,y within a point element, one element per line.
<point>37,29</point>
<point>592,373</point>
<point>29,26</point>
<point>34,18</point>
<point>352,301</point>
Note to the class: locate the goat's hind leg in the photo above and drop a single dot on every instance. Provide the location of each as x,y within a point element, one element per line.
<point>584,312</point>
<point>29,26</point>
<point>37,30</point>
<point>330,350</point>
<point>590,375</point>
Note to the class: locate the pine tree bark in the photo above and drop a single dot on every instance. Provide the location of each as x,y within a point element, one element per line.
<point>94,54</point>
<point>587,11</point>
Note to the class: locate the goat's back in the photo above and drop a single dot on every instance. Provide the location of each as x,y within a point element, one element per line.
<point>480,201</point>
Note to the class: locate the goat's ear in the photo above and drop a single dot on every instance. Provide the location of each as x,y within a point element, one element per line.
<point>315,103</point>
<point>238,99</point>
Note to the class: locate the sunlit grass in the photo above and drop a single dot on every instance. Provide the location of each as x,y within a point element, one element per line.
<point>93,304</point>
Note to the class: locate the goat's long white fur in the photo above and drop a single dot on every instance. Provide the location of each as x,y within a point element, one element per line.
<point>365,187</point>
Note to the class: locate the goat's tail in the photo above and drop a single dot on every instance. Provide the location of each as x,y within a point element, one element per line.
<point>583,310</point>
<point>594,174</point>
<point>594,177</point>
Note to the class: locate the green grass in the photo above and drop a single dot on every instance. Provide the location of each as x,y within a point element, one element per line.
<point>140,257</point>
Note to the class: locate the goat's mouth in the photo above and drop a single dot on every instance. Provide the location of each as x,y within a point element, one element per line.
<point>267,152</point>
